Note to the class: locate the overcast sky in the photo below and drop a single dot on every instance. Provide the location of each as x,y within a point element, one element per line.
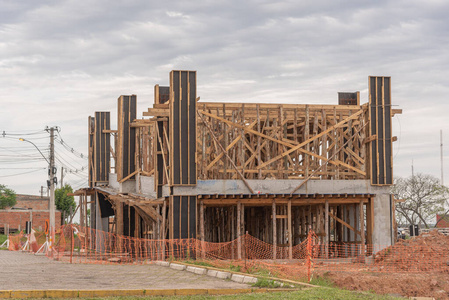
<point>60,61</point>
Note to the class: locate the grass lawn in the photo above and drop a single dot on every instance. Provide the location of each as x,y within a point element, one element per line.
<point>314,293</point>
<point>2,240</point>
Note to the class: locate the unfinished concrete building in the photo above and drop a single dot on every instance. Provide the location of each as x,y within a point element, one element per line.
<point>214,171</point>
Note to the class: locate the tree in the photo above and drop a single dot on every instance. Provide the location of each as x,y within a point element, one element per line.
<point>7,197</point>
<point>64,202</point>
<point>424,197</point>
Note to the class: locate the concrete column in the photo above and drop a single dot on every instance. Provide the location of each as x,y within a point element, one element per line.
<point>382,221</point>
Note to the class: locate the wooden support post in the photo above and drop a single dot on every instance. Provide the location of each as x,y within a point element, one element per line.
<point>232,228</point>
<point>371,204</point>
<point>362,228</point>
<point>203,253</point>
<point>242,227</point>
<point>290,242</point>
<point>326,228</point>
<point>81,204</point>
<point>164,211</point>
<point>273,213</point>
<point>86,216</point>
<point>239,241</point>
<point>119,217</point>
<point>137,225</point>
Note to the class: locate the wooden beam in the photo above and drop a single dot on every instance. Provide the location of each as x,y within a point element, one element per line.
<point>329,160</point>
<point>344,223</point>
<point>119,217</point>
<point>298,147</point>
<point>203,251</point>
<point>362,229</point>
<point>290,242</point>
<point>129,176</point>
<point>226,154</point>
<point>326,228</point>
<point>273,213</point>
<point>239,233</point>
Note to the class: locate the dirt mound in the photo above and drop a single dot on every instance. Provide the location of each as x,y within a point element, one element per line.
<point>426,252</point>
<point>409,285</point>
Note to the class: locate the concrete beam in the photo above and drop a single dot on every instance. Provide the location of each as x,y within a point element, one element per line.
<point>229,187</point>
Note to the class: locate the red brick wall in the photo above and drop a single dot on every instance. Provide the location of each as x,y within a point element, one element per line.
<point>33,202</point>
<point>19,217</point>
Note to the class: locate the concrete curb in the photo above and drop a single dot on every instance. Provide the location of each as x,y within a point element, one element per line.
<point>22,294</point>
<point>225,274</point>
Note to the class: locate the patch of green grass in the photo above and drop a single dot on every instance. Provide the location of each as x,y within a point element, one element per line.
<point>266,283</point>
<point>198,263</point>
<point>2,240</point>
<point>313,293</point>
<point>263,272</point>
<point>321,281</point>
<point>235,268</point>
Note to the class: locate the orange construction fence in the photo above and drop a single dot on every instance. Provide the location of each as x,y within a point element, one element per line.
<point>76,244</point>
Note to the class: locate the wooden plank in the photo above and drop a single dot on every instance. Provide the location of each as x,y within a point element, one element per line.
<point>156,112</point>
<point>163,226</point>
<point>264,106</point>
<point>282,216</point>
<point>226,154</point>
<point>317,136</point>
<point>362,228</point>
<point>290,241</point>
<point>119,217</point>
<point>344,223</point>
<point>326,228</point>
<point>273,213</point>
<point>203,253</point>
<point>239,233</point>
<point>293,147</point>
<point>129,176</point>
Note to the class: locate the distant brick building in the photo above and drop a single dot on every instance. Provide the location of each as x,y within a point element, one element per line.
<point>32,202</point>
<point>442,222</point>
<point>28,208</point>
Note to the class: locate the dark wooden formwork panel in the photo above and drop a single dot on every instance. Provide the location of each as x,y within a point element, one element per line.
<point>345,98</point>
<point>183,127</point>
<point>161,94</point>
<point>126,136</point>
<point>106,209</point>
<point>183,217</point>
<point>380,125</point>
<point>102,145</point>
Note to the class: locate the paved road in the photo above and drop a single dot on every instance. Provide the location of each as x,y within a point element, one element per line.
<point>26,271</point>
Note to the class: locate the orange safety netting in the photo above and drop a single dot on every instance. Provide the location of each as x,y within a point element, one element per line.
<point>426,253</point>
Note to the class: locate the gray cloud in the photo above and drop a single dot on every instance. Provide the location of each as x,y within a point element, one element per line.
<point>62,60</point>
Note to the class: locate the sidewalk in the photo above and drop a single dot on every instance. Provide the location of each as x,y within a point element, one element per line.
<point>24,271</point>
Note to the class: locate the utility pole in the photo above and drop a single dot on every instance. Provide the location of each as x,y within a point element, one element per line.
<point>52,174</point>
<point>441,155</point>
<point>42,191</point>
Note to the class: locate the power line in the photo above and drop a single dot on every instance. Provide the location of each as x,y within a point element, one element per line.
<point>23,173</point>
<point>69,148</point>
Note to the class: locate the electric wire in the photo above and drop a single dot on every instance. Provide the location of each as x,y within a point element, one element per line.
<point>23,173</point>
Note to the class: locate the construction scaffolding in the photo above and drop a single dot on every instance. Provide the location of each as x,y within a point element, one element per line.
<point>216,171</point>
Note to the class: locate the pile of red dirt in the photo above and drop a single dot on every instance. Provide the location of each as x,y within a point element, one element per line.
<point>397,284</point>
<point>425,253</point>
